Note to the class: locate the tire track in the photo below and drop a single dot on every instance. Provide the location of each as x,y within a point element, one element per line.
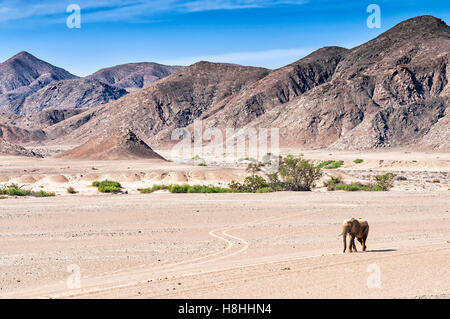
<point>149,274</point>
<point>139,275</point>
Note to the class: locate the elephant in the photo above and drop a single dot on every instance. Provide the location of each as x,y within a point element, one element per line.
<point>358,228</point>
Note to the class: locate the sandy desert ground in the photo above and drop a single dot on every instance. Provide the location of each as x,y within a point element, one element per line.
<point>278,245</point>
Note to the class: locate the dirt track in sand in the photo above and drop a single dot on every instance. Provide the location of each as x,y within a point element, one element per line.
<point>282,245</point>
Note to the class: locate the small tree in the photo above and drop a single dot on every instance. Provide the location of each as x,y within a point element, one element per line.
<point>331,184</point>
<point>299,174</point>
<point>274,182</point>
<point>385,181</point>
<point>254,182</point>
<point>254,168</point>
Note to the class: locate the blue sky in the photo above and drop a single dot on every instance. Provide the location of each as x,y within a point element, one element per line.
<point>264,33</point>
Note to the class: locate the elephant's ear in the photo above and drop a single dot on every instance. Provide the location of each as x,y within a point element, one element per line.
<point>355,226</point>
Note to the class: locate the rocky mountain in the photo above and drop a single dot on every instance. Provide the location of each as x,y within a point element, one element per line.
<point>133,76</point>
<point>172,102</point>
<point>71,94</point>
<point>7,148</point>
<point>113,144</point>
<point>392,91</point>
<point>20,135</point>
<point>22,75</point>
<point>278,87</point>
<point>29,85</point>
<point>18,128</point>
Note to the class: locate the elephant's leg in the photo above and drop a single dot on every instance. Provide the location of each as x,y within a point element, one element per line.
<point>352,244</point>
<point>364,239</point>
<point>363,245</point>
<point>345,242</point>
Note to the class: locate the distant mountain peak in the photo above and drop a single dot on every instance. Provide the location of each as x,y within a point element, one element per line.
<point>133,76</point>
<point>421,25</point>
<point>425,20</point>
<point>23,56</point>
<point>23,74</point>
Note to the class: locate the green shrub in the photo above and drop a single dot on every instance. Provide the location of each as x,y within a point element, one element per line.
<point>436,180</point>
<point>358,161</point>
<point>255,182</point>
<point>12,191</point>
<point>330,185</point>
<point>109,189</point>
<point>106,183</point>
<point>185,189</point>
<point>298,174</point>
<point>15,190</point>
<point>347,187</point>
<point>331,164</point>
<point>202,164</point>
<point>292,173</point>
<point>179,188</point>
<point>236,187</point>
<point>107,186</point>
<point>385,181</point>
<point>207,189</point>
<point>254,167</point>
<point>42,193</point>
<point>264,190</point>
<point>274,182</point>
<point>154,188</point>
<point>251,184</point>
<point>354,187</point>
<point>71,190</point>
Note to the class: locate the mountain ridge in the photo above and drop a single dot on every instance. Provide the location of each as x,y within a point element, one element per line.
<point>24,81</point>
<point>132,76</point>
<point>392,91</point>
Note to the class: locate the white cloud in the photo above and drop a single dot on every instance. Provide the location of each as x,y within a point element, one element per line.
<point>126,9</point>
<point>204,5</point>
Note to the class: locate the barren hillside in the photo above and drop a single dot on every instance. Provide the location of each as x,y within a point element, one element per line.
<point>133,76</point>
<point>113,144</point>
<point>172,102</point>
<point>392,91</point>
<point>22,75</point>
